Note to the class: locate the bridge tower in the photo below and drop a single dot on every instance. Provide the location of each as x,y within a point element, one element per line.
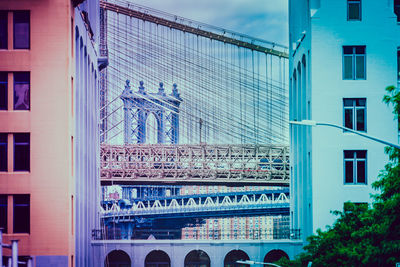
<point>137,108</point>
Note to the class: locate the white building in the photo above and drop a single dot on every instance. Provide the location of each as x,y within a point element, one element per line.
<point>343,54</point>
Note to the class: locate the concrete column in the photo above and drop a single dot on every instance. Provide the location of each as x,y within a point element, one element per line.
<point>14,248</point>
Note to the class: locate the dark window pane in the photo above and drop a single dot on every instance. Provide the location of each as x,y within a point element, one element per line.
<point>21,152</point>
<point>21,30</point>
<point>348,118</point>
<point>348,171</point>
<point>354,9</point>
<point>348,154</point>
<point>397,9</point>
<point>348,102</point>
<point>360,50</point>
<point>360,67</point>
<point>361,102</point>
<point>3,213</point>
<point>348,67</point>
<point>398,64</point>
<point>21,138</point>
<point>21,90</point>
<point>3,29</point>
<point>361,154</point>
<point>361,172</point>
<point>3,152</point>
<point>3,91</point>
<point>360,119</point>
<point>347,50</point>
<point>21,214</point>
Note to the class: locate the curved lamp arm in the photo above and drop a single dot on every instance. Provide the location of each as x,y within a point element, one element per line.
<point>314,123</point>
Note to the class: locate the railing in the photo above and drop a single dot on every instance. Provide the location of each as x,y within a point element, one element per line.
<point>202,234</point>
<point>248,164</point>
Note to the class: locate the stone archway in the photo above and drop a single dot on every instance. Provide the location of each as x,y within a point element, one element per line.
<point>197,258</point>
<point>117,258</point>
<point>157,258</point>
<point>233,256</point>
<point>275,255</point>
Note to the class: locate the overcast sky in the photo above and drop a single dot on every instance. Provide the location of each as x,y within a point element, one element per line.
<point>265,19</point>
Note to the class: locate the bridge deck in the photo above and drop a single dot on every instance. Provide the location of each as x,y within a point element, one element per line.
<point>201,164</point>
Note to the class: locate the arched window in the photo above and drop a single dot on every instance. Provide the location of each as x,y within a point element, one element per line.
<point>117,258</point>
<point>235,255</point>
<point>157,258</point>
<point>197,258</point>
<point>275,255</point>
<point>151,129</point>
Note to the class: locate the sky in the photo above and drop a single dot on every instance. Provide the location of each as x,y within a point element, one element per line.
<point>265,19</point>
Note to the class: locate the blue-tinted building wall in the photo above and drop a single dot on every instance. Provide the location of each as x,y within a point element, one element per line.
<point>86,128</point>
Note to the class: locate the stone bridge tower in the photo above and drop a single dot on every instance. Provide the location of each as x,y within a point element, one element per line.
<point>139,105</point>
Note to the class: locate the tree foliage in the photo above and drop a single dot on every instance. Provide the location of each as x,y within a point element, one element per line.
<point>363,235</point>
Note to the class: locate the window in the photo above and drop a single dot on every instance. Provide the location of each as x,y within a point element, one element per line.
<point>21,214</point>
<point>3,29</point>
<point>398,64</point>
<point>21,90</point>
<point>354,62</point>
<point>3,213</point>
<point>355,113</point>
<point>21,152</point>
<point>397,9</point>
<point>3,152</point>
<point>21,30</point>
<point>3,90</point>
<point>353,9</point>
<point>355,166</point>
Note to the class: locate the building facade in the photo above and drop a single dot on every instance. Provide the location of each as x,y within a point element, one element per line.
<point>343,54</point>
<point>48,128</point>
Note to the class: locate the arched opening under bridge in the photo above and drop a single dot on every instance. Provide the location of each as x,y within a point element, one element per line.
<point>157,258</point>
<point>275,255</point>
<point>233,256</point>
<point>117,258</point>
<point>197,258</point>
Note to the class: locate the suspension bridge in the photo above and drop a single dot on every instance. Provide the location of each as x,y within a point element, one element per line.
<point>187,103</point>
<point>184,104</point>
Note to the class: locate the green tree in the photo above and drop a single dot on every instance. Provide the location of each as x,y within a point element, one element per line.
<point>363,235</point>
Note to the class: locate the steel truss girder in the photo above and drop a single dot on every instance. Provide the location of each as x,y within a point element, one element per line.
<point>195,164</point>
<point>217,206</point>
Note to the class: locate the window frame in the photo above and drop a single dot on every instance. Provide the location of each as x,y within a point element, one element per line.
<point>29,29</point>
<point>396,9</point>
<point>354,109</point>
<point>350,2</point>
<point>15,205</point>
<point>28,144</point>
<point>4,19</point>
<point>4,144</point>
<point>354,161</point>
<point>5,215</point>
<point>354,56</point>
<point>4,82</point>
<point>28,81</point>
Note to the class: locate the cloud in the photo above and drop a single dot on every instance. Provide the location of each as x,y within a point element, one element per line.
<point>265,19</point>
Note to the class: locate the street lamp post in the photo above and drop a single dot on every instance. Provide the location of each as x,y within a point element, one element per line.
<point>314,123</point>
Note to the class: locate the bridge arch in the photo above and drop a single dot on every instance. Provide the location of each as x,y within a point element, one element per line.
<point>153,128</point>
<point>157,258</point>
<point>235,255</point>
<point>275,255</point>
<point>197,258</point>
<point>117,258</point>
